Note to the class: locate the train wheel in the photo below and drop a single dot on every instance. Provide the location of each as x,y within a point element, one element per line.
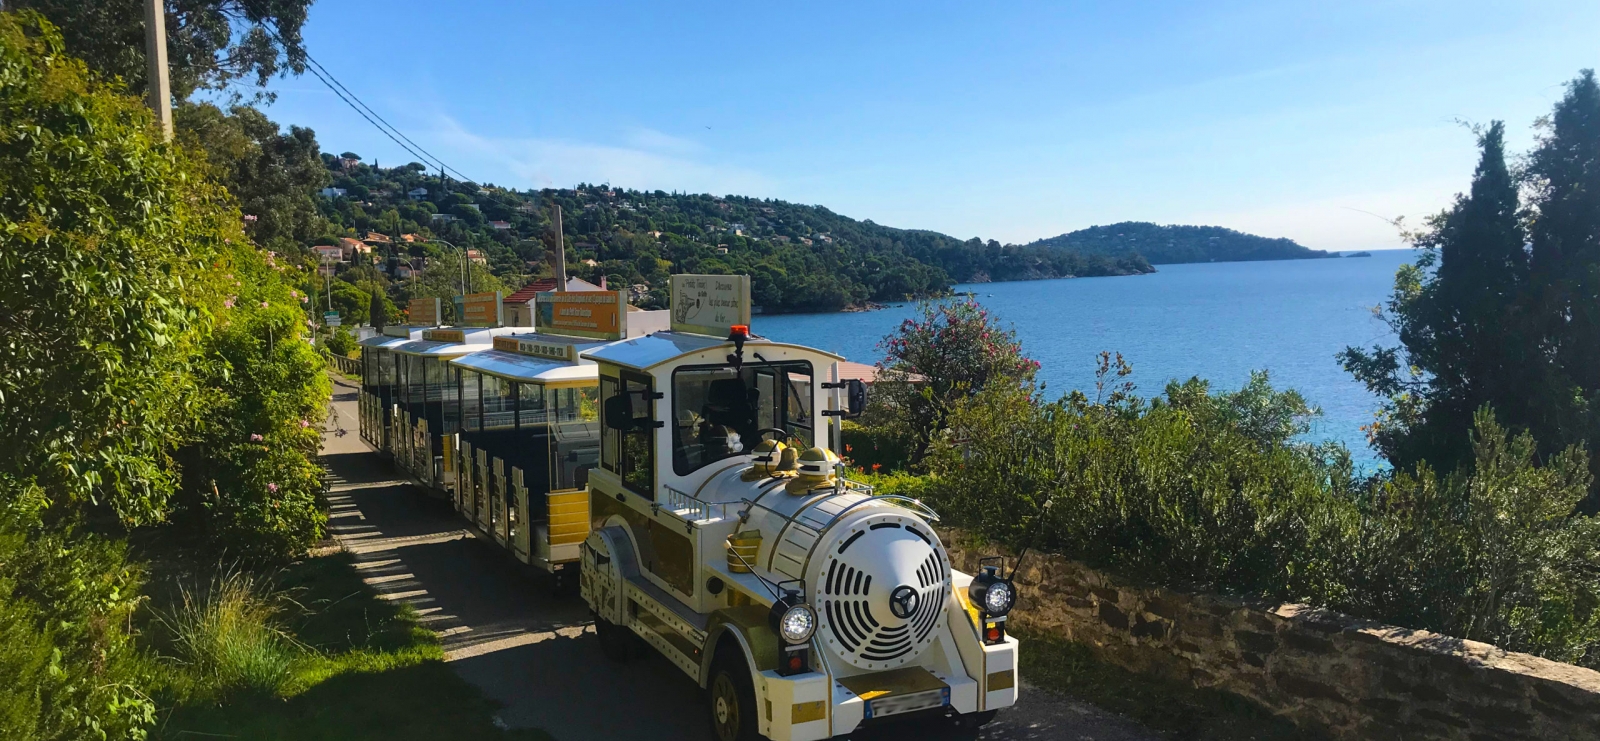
<point>618,643</point>
<point>732,697</point>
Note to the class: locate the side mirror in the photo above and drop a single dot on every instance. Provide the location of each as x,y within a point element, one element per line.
<point>855,398</point>
<point>619,413</point>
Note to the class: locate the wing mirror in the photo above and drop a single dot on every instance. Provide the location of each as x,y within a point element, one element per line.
<point>855,392</point>
<point>619,413</point>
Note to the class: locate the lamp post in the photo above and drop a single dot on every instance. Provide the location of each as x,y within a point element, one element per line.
<point>466,271</point>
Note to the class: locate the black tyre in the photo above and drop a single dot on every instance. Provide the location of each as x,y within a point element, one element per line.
<point>618,643</point>
<point>732,697</point>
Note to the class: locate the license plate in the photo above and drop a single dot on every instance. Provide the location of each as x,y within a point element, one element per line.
<point>897,704</point>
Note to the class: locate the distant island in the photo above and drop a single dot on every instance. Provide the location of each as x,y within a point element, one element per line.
<point>1172,244</point>
<point>1357,254</point>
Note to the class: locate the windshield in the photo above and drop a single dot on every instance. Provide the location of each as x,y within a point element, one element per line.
<point>719,414</point>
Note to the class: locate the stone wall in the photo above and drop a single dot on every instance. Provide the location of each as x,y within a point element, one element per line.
<point>1351,678</point>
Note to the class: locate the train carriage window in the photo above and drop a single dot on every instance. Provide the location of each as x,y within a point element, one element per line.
<point>499,403</point>
<point>719,413</point>
<point>416,385</point>
<point>471,403</point>
<point>530,405</point>
<point>629,430</point>
<point>579,404</point>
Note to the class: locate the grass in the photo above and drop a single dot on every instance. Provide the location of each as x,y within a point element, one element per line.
<point>312,654</point>
<point>1176,710</point>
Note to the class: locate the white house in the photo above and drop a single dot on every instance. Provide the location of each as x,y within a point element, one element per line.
<point>444,218</point>
<point>332,192</point>
<point>417,194</point>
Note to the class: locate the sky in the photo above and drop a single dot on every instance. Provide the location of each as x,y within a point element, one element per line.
<point>1017,121</point>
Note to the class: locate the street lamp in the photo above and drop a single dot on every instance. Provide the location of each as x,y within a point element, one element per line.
<point>466,272</point>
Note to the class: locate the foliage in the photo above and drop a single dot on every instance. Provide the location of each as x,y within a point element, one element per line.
<point>251,481</point>
<point>874,447</point>
<point>70,666</point>
<point>229,636</point>
<point>341,342</point>
<point>334,662</point>
<point>1503,308</point>
<point>1212,491</point>
<point>951,350</point>
<point>274,176</point>
<point>211,44</point>
<point>800,258</point>
<point>106,243</point>
<point>1178,244</point>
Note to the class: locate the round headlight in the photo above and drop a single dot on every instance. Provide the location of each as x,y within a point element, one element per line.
<point>797,624</point>
<point>999,598</point>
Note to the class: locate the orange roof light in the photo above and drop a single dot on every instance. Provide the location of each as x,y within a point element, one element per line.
<point>740,330</point>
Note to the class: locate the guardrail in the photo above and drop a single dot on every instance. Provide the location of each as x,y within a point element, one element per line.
<point>348,366</point>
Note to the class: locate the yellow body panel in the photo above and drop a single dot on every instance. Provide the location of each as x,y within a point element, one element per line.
<point>569,516</point>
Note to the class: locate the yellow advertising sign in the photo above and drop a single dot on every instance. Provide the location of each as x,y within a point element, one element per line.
<point>480,310</point>
<point>710,304</point>
<point>423,312</point>
<point>602,315</point>
<point>444,335</point>
<point>535,348</point>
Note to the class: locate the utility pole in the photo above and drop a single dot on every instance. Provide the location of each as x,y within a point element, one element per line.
<point>155,55</point>
<point>561,253</point>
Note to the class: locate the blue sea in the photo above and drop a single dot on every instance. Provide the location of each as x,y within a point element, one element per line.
<point>1217,321</point>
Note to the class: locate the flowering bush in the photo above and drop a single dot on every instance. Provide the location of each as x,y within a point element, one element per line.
<point>951,350</point>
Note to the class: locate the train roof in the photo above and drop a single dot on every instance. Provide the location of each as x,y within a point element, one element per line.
<point>437,349</point>
<point>660,348</point>
<point>519,367</point>
<point>383,341</point>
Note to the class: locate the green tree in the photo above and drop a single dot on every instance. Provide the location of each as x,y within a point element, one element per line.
<point>273,175</point>
<point>211,44</point>
<point>1485,320</point>
<point>107,239</point>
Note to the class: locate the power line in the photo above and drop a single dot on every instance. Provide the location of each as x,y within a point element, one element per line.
<point>361,108</point>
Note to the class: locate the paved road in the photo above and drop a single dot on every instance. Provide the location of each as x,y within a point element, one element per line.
<point>535,653</point>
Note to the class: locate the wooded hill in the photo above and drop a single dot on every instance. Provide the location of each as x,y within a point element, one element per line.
<point>801,258</point>
<point>1163,245</point>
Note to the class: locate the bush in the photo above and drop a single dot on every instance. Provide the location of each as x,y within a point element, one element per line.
<point>341,342</point>
<point>228,637</point>
<point>949,351</point>
<point>1213,492</point>
<point>68,661</point>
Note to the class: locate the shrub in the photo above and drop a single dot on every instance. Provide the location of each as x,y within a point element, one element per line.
<point>69,665</point>
<point>341,342</point>
<point>228,637</point>
<point>1214,492</point>
<point>949,351</point>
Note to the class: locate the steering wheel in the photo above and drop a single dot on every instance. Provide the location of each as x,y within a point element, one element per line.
<point>783,435</point>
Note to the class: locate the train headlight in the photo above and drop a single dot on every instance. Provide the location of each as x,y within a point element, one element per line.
<point>797,623</point>
<point>992,594</point>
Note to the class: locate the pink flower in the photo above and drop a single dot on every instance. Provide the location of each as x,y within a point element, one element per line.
<point>304,424</point>
<point>229,302</point>
<point>263,304</point>
<point>272,488</point>
<point>255,438</point>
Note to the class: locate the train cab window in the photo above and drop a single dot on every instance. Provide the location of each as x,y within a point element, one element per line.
<point>628,432</point>
<point>574,404</point>
<point>471,403</point>
<point>719,413</point>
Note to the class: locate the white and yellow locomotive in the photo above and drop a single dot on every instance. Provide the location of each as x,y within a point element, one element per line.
<point>726,536</point>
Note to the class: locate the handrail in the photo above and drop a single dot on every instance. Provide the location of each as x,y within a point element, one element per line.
<point>683,505</point>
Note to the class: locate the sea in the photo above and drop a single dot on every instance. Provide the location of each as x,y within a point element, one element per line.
<point>1215,321</point>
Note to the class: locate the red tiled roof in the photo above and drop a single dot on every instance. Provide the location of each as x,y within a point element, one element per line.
<point>525,294</point>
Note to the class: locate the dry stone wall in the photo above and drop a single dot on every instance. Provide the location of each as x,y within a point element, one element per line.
<point>1353,679</point>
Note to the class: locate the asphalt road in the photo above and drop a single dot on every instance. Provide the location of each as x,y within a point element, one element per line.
<point>536,653</point>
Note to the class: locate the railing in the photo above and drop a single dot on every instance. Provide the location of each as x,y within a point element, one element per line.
<point>347,366</point>
<point>690,508</point>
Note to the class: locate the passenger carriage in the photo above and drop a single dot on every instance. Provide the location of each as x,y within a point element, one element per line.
<point>427,402</point>
<point>528,435</point>
<point>378,389</point>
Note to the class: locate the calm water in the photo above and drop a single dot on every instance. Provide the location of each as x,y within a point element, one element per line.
<point>1217,321</point>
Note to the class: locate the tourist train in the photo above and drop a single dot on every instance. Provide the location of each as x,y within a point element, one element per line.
<point>682,472</point>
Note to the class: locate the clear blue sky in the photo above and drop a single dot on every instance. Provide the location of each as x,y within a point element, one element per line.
<point>1009,121</point>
